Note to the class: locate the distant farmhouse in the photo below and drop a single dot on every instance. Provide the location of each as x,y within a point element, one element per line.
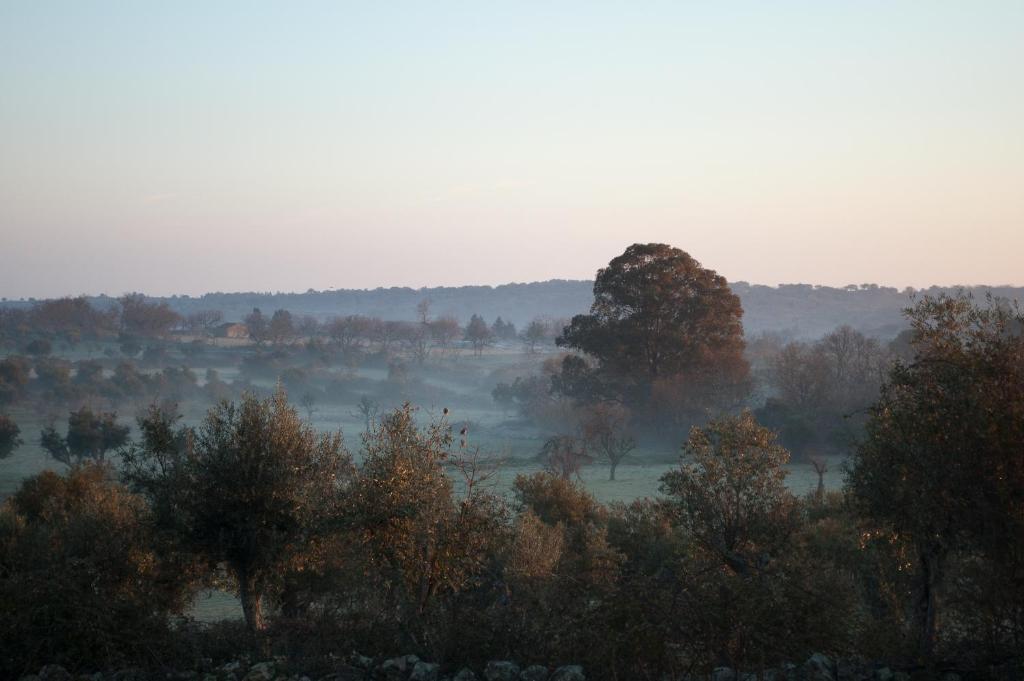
<point>231,330</point>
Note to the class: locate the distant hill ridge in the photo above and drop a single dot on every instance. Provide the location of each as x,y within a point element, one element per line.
<point>797,310</point>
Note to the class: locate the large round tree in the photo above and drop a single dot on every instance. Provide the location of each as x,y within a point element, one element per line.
<point>664,335</point>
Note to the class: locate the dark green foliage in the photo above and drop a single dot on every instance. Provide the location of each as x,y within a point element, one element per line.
<point>478,334</point>
<point>941,469</point>
<point>39,347</point>
<point>9,436</point>
<point>503,330</point>
<point>89,437</point>
<point>14,377</point>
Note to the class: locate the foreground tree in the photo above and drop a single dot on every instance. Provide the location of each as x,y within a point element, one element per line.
<point>752,590</point>
<point>89,436</point>
<point>665,333</point>
<point>252,488</point>
<point>80,584</point>
<point>732,495</point>
<point>424,545</point>
<point>941,467</point>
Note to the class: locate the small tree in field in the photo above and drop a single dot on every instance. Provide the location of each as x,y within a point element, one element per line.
<point>90,436</point>
<point>605,429</point>
<point>258,326</point>
<point>9,436</point>
<point>252,488</point>
<point>478,334</point>
<point>564,456</point>
<point>368,409</point>
<point>534,335</point>
<point>820,467</point>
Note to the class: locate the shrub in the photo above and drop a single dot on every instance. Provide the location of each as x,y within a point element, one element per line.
<point>79,583</point>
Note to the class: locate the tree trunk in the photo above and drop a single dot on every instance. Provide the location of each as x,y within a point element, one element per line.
<point>926,614</point>
<point>611,474</point>
<point>252,603</point>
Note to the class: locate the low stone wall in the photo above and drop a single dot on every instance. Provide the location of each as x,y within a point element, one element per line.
<point>355,668</point>
<point>411,668</point>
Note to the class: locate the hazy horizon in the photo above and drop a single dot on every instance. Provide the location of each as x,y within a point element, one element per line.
<point>186,148</point>
<point>199,294</point>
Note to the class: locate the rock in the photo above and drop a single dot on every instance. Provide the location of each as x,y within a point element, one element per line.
<point>351,672</point>
<point>883,674</point>
<point>54,672</point>
<point>424,671</point>
<point>818,668</point>
<point>501,671</point>
<point>534,672</point>
<point>263,671</point>
<point>570,672</point>
<point>233,667</point>
<point>852,669</point>
<point>394,669</point>
<point>724,674</point>
<point>465,674</point>
<point>361,661</point>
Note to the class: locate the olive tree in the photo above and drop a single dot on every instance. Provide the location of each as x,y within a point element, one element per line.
<point>252,488</point>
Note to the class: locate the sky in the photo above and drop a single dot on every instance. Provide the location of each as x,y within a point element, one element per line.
<point>184,147</point>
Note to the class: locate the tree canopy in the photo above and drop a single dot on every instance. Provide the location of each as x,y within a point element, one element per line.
<point>665,333</point>
<point>252,487</point>
<point>941,467</point>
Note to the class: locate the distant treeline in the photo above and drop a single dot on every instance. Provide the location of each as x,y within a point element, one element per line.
<point>796,310</point>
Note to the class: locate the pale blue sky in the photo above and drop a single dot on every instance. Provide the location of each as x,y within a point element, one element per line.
<point>181,147</point>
